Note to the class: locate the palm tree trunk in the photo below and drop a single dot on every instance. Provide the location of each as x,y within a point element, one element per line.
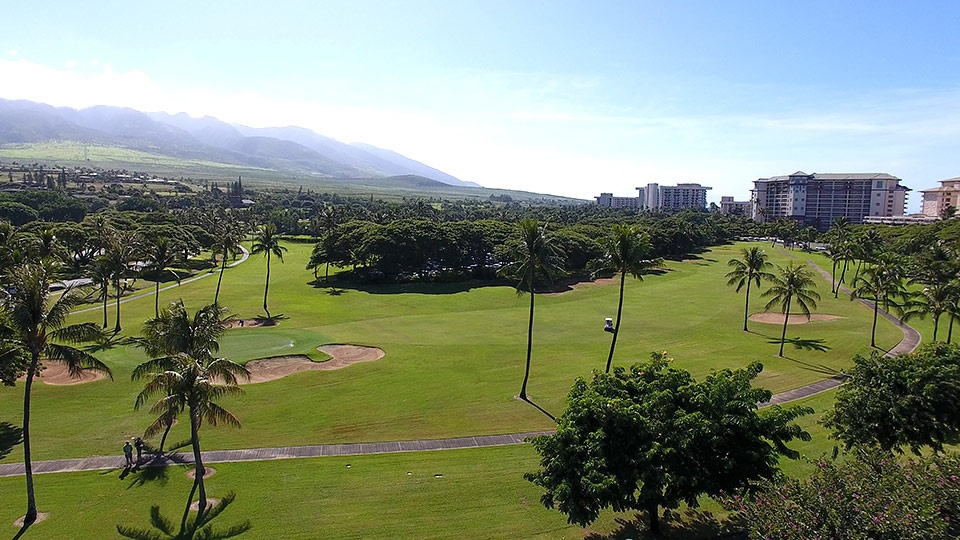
<point>746,307</point>
<point>936,325</point>
<point>526,373</point>
<point>616,329</point>
<point>106,298</point>
<point>873,332</point>
<point>266,287</point>
<point>156,301</point>
<point>223,266</point>
<point>116,329</point>
<point>843,273</point>
<point>783,336</point>
<point>833,277</point>
<point>199,469</point>
<point>186,511</point>
<point>31,514</point>
<point>950,329</point>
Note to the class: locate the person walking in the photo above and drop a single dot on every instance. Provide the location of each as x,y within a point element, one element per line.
<point>138,444</point>
<point>128,453</point>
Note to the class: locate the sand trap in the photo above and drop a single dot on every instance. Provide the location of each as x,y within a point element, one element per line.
<point>584,284</point>
<point>269,369</point>
<point>55,373</point>
<point>252,323</point>
<point>777,318</point>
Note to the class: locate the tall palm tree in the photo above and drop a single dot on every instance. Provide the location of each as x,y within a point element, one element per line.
<point>627,251</point>
<point>267,241</point>
<point>793,283</point>
<point>229,233</point>
<point>880,282</point>
<point>119,253</point>
<point>935,299</point>
<point>159,253</point>
<point>751,268</point>
<point>535,258</point>
<point>844,253</point>
<point>186,373</point>
<point>839,236</point>
<point>40,330</point>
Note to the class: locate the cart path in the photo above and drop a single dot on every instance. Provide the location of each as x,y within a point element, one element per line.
<point>214,271</point>
<point>910,341</point>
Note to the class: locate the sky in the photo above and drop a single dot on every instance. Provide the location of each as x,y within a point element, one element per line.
<point>564,97</point>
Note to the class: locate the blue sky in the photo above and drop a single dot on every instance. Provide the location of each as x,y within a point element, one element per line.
<point>564,97</point>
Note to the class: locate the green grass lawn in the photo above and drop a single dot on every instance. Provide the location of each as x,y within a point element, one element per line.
<point>454,362</point>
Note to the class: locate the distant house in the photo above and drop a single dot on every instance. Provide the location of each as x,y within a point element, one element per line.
<point>737,208</point>
<point>657,198</point>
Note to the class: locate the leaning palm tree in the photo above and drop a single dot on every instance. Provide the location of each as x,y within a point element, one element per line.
<point>267,241</point>
<point>535,258</point>
<point>186,373</point>
<point>880,282</point>
<point>793,283</point>
<point>42,333</point>
<point>627,251</point>
<point>229,233</point>
<point>752,268</point>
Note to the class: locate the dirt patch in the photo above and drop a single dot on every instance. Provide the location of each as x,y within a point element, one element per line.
<point>777,318</point>
<point>269,369</point>
<point>55,373</point>
<point>40,517</point>
<point>207,472</point>
<point>211,502</point>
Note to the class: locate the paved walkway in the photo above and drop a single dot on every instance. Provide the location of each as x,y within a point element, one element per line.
<point>910,341</point>
<point>212,272</point>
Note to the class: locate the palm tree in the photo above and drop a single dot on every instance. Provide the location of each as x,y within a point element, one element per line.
<point>185,371</point>
<point>794,283</point>
<point>41,331</point>
<point>229,233</point>
<point>843,253</point>
<point>120,252</point>
<point>750,269</point>
<point>535,258</point>
<point>159,254</point>
<point>267,241</point>
<point>880,282</point>
<point>627,251</point>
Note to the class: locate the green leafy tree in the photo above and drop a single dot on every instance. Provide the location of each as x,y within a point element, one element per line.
<point>750,268</point>
<point>908,400</point>
<point>652,437</point>
<point>792,284</point>
<point>36,325</point>
<point>535,258</point>
<point>266,240</point>
<point>186,373</point>
<point>626,251</point>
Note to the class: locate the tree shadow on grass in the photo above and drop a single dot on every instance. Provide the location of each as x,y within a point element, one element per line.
<point>690,524</point>
<point>153,471</point>
<point>539,408</point>
<point>818,345</point>
<point>163,528</point>
<point>10,436</point>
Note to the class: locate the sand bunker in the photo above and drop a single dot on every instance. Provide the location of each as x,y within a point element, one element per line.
<point>252,323</point>
<point>55,373</point>
<point>777,318</point>
<point>269,369</point>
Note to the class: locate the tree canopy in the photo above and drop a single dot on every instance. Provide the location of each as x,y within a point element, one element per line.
<point>652,436</point>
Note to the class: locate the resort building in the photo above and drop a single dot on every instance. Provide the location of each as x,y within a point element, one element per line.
<point>738,208</point>
<point>815,200</point>
<point>937,200</point>
<point>657,198</point>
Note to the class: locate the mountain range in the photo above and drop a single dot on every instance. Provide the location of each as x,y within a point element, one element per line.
<point>285,149</point>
